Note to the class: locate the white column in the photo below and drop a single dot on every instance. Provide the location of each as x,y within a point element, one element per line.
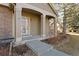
<point>43,25</point>
<point>55,27</point>
<point>18,18</point>
<point>13,25</point>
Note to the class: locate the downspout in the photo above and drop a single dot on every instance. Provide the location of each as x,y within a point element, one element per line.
<point>14,11</point>
<point>15,19</point>
<point>12,7</point>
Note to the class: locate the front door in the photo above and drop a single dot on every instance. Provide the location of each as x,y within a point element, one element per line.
<point>25,26</point>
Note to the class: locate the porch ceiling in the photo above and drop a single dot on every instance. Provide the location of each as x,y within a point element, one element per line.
<point>49,16</point>
<point>31,11</point>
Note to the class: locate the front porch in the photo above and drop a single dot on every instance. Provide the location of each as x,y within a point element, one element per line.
<point>36,26</point>
<point>31,38</point>
<point>33,25</point>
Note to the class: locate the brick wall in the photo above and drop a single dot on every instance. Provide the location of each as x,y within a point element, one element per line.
<point>5,22</point>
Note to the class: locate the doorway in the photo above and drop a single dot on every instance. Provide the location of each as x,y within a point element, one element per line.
<point>25,26</point>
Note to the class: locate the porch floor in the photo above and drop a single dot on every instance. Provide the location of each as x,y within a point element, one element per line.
<point>37,37</point>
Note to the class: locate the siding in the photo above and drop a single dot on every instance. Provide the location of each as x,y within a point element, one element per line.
<point>5,22</point>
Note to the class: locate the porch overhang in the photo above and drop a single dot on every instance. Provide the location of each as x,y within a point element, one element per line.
<point>32,9</point>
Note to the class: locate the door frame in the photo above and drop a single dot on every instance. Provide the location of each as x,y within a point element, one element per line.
<point>27,28</point>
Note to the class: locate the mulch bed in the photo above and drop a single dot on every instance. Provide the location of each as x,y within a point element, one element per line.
<point>57,39</point>
<point>22,50</point>
<point>4,49</point>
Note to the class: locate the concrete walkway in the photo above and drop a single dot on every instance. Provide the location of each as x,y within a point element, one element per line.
<point>43,49</point>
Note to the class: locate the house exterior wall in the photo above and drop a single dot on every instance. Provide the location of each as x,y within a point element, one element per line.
<point>39,24</point>
<point>5,22</point>
<point>43,12</point>
<point>34,22</point>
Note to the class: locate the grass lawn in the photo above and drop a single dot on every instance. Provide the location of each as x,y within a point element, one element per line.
<point>72,47</point>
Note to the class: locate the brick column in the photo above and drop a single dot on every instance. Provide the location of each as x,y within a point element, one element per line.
<point>18,18</point>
